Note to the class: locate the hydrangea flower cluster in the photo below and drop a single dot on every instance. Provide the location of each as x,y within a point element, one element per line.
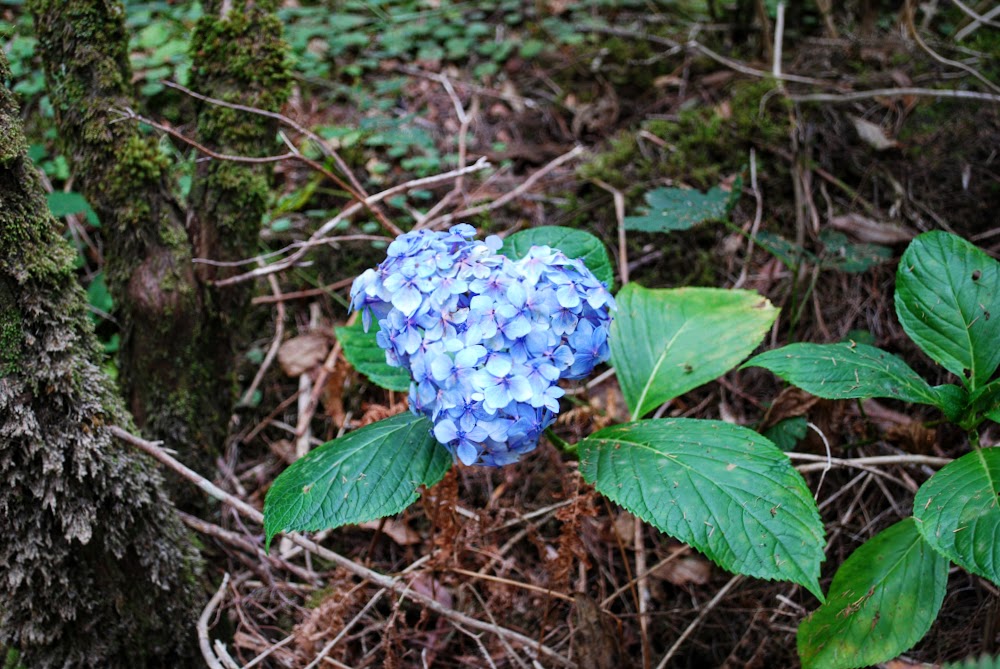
<point>486,339</point>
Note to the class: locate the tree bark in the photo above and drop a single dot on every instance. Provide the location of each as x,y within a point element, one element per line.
<point>96,570</point>
<point>179,334</point>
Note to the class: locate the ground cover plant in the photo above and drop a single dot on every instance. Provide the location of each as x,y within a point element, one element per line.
<point>507,334</point>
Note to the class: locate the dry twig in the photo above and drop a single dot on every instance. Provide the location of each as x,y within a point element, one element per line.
<point>396,585</point>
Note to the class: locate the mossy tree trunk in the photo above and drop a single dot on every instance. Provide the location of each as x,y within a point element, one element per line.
<point>179,335</point>
<point>97,570</point>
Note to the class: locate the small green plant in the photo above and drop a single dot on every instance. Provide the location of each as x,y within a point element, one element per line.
<point>885,596</point>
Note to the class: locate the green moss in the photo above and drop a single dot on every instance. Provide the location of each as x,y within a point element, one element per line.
<point>701,146</point>
<point>11,333</point>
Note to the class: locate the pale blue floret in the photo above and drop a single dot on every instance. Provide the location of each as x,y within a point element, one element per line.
<point>485,339</point>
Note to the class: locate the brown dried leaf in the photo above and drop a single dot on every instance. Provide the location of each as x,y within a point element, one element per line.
<point>623,527</point>
<point>300,354</point>
<point>284,449</point>
<point>790,403</point>
<point>333,392</point>
<point>912,437</point>
<point>426,584</point>
<point>870,231</point>
<point>872,134</point>
<point>685,570</point>
<point>396,530</point>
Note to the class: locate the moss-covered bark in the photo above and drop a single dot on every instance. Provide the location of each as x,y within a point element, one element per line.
<point>97,570</point>
<point>177,340</point>
<point>239,58</point>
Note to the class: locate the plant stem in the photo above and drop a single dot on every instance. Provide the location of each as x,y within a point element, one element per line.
<point>560,442</point>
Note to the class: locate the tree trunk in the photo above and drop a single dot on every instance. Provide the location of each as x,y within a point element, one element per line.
<point>97,570</point>
<point>178,333</point>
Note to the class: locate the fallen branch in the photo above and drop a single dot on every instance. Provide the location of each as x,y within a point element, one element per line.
<point>396,585</point>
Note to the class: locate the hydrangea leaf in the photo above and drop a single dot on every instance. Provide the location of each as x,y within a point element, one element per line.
<point>882,601</point>
<point>948,302</point>
<point>957,512</point>
<point>722,488</point>
<point>574,243</point>
<point>370,473</point>
<point>363,352</point>
<point>667,342</point>
<point>682,208</point>
<point>846,371</point>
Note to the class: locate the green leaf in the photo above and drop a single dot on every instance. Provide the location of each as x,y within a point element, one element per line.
<point>370,473</point>
<point>574,243</point>
<point>98,295</point>
<point>786,434</point>
<point>844,371</point>
<point>952,400</point>
<point>682,209</point>
<point>957,512</point>
<point>948,302</point>
<point>363,352</point>
<point>788,253</point>
<point>983,402</point>
<point>66,203</point>
<point>722,488</point>
<point>882,601</point>
<point>840,254</point>
<point>666,342</point>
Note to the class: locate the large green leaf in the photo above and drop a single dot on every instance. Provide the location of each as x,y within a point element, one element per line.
<point>958,514</point>
<point>666,342</point>
<point>882,601</point>
<point>363,352</point>
<point>845,371</point>
<point>722,488</point>
<point>948,301</point>
<point>370,473</point>
<point>574,243</point>
<point>682,209</point>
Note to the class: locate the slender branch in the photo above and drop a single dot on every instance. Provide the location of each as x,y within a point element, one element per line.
<point>820,462</point>
<point>517,192</point>
<point>272,351</point>
<point>697,621</point>
<point>908,14</point>
<point>358,191</point>
<point>396,585</point>
<point>203,641</point>
<point>294,154</point>
<point>318,238</point>
<point>978,18</point>
<point>893,92</point>
<point>972,27</point>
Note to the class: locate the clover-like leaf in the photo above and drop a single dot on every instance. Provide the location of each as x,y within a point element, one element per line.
<point>957,512</point>
<point>682,209</point>
<point>370,473</point>
<point>882,601</point>
<point>573,243</point>
<point>667,342</point>
<point>362,350</point>
<point>721,488</point>
<point>948,302</point>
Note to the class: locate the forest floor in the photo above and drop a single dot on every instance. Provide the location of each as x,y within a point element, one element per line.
<point>581,109</point>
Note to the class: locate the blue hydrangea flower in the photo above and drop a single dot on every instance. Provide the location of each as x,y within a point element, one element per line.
<point>486,339</point>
